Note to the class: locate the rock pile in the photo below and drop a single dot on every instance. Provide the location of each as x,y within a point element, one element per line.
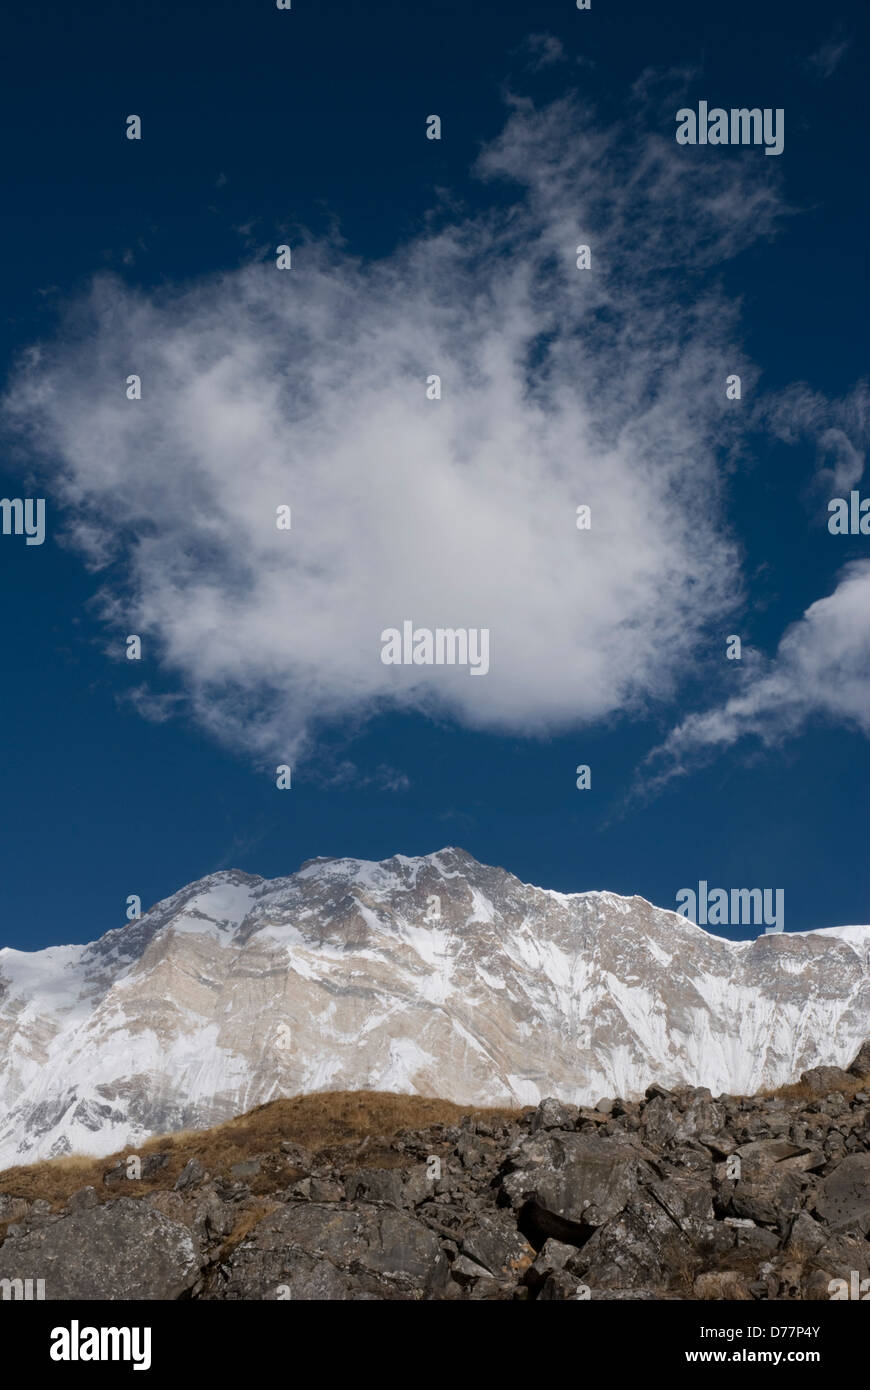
<point>678,1195</point>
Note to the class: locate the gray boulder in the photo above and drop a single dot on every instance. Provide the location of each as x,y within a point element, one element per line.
<point>861,1065</point>
<point>640,1247</point>
<point>124,1249</point>
<point>554,1114</point>
<point>322,1251</point>
<point>684,1114</point>
<point>495,1243</point>
<point>586,1178</point>
<point>191,1175</point>
<point>843,1200</point>
<point>822,1080</point>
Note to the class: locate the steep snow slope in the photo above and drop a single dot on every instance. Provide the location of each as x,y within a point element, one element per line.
<point>437,975</point>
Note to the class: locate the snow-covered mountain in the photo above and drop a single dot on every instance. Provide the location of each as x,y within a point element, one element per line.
<point>436,975</point>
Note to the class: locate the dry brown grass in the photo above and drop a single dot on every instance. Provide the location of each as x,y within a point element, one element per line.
<point>683,1264</point>
<point>328,1120</point>
<point>248,1219</point>
<point>686,1264</point>
<point>799,1090</point>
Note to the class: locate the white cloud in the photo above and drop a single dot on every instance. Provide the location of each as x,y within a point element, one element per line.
<point>306,387</point>
<point>821,670</point>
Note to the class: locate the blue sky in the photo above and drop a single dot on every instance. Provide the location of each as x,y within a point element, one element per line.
<point>308,127</point>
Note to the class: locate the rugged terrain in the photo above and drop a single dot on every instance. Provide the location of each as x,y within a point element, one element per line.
<point>435,975</point>
<point>674,1195</point>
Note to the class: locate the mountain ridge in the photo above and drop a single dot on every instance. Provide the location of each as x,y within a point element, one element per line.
<point>432,974</point>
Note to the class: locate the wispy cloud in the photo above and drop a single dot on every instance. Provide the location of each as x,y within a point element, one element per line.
<point>307,387</point>
<point>543,50</point>
<point>839,429</point>
<point>827,58</point>
<point>821,670</point>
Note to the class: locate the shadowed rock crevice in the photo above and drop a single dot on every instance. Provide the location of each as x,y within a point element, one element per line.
<point>539,1225</point>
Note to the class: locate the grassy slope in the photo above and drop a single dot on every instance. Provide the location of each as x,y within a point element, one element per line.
<point>329,1120</point>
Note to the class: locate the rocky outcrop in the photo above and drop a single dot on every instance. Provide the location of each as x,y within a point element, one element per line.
<point>124,1250</point>
<point>676,1195</point>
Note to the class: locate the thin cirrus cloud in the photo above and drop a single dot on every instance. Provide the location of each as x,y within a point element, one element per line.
<point>821,667</point>
<point>306,387</point>
<point>826,59</point>
<point>840,430</point>
<point>821,670</point>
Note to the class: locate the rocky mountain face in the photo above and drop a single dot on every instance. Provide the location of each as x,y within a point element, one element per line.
<point>435,975</point>
<point>674,1196</point>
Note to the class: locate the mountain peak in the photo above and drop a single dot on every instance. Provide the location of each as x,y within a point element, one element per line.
<point>433,974</point>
